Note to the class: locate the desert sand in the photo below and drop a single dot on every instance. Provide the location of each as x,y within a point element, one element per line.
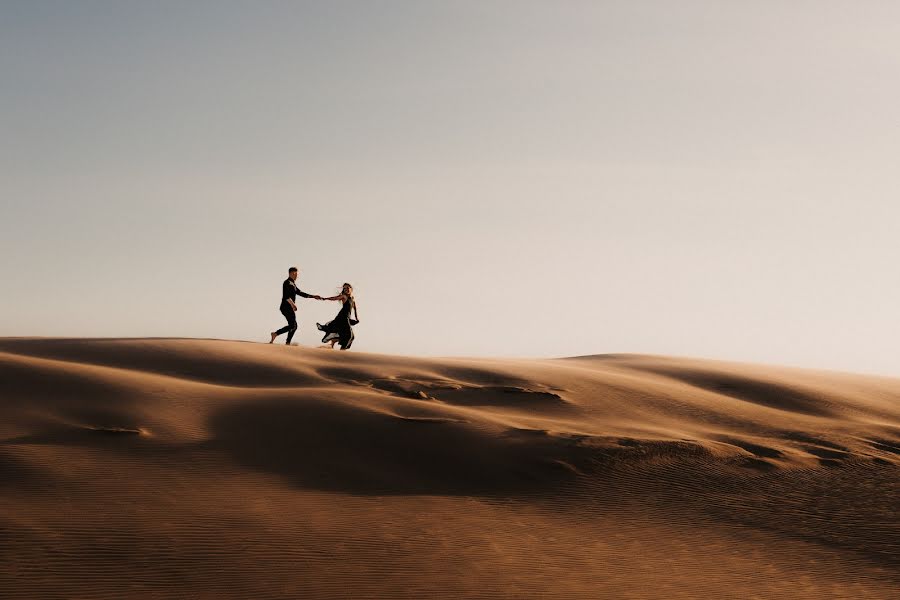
<point>169,468</point>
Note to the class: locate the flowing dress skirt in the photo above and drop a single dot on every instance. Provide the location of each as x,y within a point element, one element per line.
<point>339,328</point>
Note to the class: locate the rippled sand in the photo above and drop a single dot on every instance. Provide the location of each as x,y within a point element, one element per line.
<point>147,468</point>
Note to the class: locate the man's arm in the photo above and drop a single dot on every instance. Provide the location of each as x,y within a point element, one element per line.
<point>305,295</point>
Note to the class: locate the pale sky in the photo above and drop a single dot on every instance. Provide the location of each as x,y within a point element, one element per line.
<point>714,179</point>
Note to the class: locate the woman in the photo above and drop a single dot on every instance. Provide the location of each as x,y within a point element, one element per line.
<point>340,328</point>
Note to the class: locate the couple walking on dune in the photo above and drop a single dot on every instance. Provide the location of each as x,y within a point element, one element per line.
<point>338,330</point>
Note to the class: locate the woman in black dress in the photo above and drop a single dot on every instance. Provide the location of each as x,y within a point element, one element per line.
<point>339,329</point>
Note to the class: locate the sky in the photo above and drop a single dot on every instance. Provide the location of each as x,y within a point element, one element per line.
<point>696,178</point>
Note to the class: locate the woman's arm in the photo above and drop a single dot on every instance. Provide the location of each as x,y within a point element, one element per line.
<point>338,297</point>
<point>355,312</point>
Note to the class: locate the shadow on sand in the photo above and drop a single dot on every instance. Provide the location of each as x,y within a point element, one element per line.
<point>351,448</point>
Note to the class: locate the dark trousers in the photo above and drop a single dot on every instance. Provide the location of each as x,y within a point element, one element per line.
<point>291,327</point>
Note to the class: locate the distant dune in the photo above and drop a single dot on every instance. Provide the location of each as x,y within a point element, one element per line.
<point>159,468</point>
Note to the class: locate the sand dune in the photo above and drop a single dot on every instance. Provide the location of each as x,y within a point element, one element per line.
<point>212,469</point>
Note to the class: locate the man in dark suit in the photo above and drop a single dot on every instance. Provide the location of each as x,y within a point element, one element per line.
<point>288,307</point>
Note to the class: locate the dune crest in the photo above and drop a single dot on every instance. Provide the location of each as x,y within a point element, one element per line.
<point>233,469</point>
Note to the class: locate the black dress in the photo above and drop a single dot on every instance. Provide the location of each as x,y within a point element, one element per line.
<point>339,328</point>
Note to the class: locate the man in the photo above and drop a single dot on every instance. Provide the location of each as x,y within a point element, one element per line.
<point>289,293</point>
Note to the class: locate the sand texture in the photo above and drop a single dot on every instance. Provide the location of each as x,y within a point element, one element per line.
<point>159,468</point>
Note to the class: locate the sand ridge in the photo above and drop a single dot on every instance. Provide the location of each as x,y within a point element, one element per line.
<point>174,468</point>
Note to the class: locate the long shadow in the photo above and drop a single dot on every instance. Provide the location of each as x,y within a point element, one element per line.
<point>338,446</point>
<point>764,393</point>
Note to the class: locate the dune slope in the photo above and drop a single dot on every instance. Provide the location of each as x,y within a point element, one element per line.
<point>156,468</point>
